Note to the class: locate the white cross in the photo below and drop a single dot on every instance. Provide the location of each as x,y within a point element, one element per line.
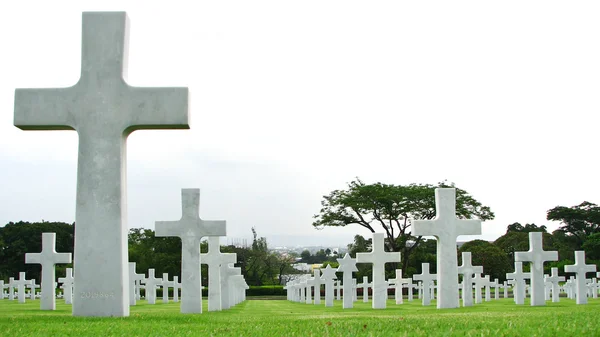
<point>11,288</point>
<point>32,286</point>
<point>227,270</point>
<point>537,256</point>
<point>165,284</point>
<point>48,258</point>
<point>580,269</point>
<point>519,282</point>
<point>554,279</point>
<point>191,229</point>
<point>151,283</point>
<point>176,287</point>
<point>21,283</point>
<point>446,228</point>
<point>365,286</point>
<point>397,286</point>
<point>214,259</point>
<point>327,277</point>
<point>67,285</point>
<point>378,257</point>
<point>316,282</point>
<point>426,278</point>
<point>133,277</point>
<point>410,286</point>
<point>467,269</point>
<point>479,282</point>
<point>104,110</point>
<point>496,286</point>
<point>347,267</point>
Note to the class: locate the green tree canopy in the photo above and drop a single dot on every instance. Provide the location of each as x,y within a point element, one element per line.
<point>390,208</point>
<point>517,227</point>
<point>494,261</point>
<point>579,221</point>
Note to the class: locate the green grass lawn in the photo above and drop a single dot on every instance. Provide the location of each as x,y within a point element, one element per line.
<point>282,318</point>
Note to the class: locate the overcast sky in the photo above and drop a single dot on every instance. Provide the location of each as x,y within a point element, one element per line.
<point>291,100</point>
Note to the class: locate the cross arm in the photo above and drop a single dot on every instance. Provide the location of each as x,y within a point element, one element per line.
<point>158,108</point>
<point>33,258</point>
<point>167,228</point>
<point>45,109</point>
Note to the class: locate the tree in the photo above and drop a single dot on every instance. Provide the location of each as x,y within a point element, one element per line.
<point>517,227</point>
<point>19,238</point>
<point>494,261</point>
<point>306,256</point>
<point>592,247</point>
<point>579,221</point>
<point>391,208</point>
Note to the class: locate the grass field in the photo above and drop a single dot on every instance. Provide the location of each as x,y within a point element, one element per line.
<point>282,318</point>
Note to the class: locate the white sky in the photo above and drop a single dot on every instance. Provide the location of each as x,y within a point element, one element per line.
<point>291,100</point>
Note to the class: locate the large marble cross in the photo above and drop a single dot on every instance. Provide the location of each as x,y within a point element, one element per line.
<point>426,278</point>
<point>446,228</point>
<point>104,110</point>
<point>347,267</point>
<point>328,278</point>
<point>191,229</point>
<point>537,256</point>
<point>467,269</point>
<point>519,282</point>
<point>67,285</point>
<point>580,269</point>
<point>214,259</point>
<point>48,258</point>
<point>378,257</point>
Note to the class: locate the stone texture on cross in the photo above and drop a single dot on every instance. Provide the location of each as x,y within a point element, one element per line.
<point>328,277</point>
<point>191,229</point>
<point>446,227</point>
<point>48,258</point>
<point>519,282</point>
<point>214,259</point>
<point>426,278</point>
<point>467,269</point>
<point>537,256</point>
<point>378,257</point>
<point>104,110</point>
<point>580,269</point>
<point>347,267</point>
<point>67,285</point>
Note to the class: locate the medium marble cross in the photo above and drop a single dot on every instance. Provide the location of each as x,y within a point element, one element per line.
<point>151,282</point>
<point>555,280</point>
<point>467,269</point>
<point>327,278</point>
<point>214,259</point>
<point>409,286</point>
<point>580,269</point>
<point>378,257</point>
<point>176,287</point>
<point>446,228</point>
<point>426,278</point>
<point>397,286</point>
<point>67,285</point>
<point>191,229</point>
<point>227,270</point>
<point>104,110</point>
<point>479,283</point>
<point>21,283</point>
<point>11,288</point>
<point>48,258</point>
<point>537,256</point>
<point>165,284</point>
<point>133,277</point>
<point>347,267</point>
<point>316,282</point>
<point>365,286</point>
<point>519,282</point>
